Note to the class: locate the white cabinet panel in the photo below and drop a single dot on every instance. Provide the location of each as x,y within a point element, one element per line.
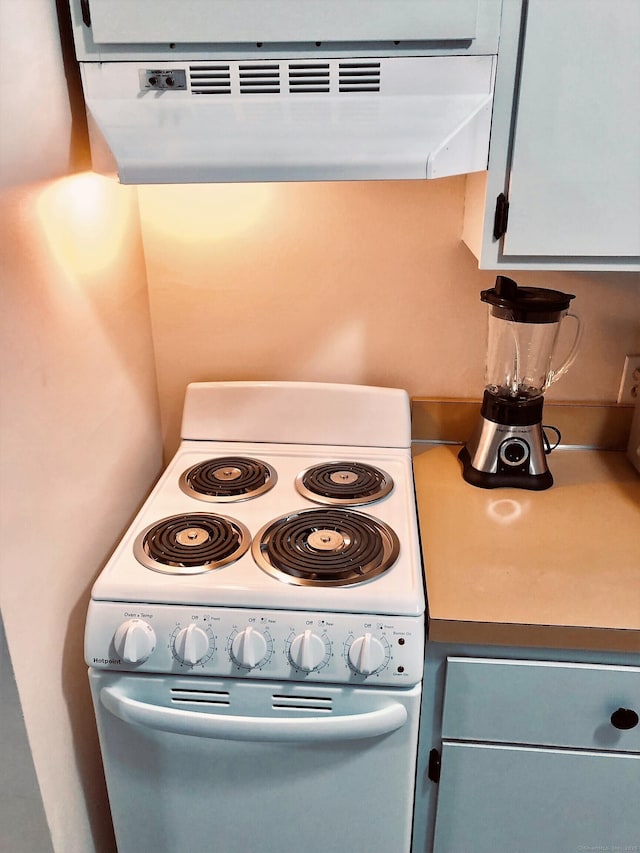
<point>189,21</point>
<point>575,171</point>
<point>504,798</point>
<point>565,140</point>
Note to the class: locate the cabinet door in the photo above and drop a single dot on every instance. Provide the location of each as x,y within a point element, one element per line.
<point>527,800</point>
<point>565,140</point>
<point>575,169</point>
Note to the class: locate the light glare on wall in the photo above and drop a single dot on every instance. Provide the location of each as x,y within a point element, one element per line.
<point>192,213</point>
<point>84,219</point>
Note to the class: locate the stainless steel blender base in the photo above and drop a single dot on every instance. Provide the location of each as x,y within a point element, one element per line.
<point>501,480</point>
<point>504,455</point>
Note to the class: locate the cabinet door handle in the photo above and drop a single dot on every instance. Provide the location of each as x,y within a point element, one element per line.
<point>624,718</point>
<point>435,765</point>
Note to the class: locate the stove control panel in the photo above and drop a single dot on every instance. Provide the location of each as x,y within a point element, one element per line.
<point>274,644</point>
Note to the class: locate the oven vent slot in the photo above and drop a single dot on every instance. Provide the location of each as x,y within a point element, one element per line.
<point>314,704</point>
<point>259,79</point>
<point>309,77</point>
<point>359,77</point>
<point>201,697</point>
<point>210,79</point>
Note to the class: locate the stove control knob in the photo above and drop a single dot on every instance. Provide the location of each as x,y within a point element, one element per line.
<point>248,648</point>
<point>134,641</point>
<point>367,655</point>
<point>191,645</point>
<point>307,651</point>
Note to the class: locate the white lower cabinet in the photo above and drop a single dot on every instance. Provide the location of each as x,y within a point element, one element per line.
<point>538,757</point>
<point>517,799</point>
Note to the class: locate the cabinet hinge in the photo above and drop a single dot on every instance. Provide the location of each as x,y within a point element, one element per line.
<point>501,216</point>
<point>435,763</point>
<point>86,12</point>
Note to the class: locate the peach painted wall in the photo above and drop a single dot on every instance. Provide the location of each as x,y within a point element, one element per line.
<point>345,282</point>
<point>79,426</point>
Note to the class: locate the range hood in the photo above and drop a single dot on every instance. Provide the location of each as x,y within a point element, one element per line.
<point>191,91</point>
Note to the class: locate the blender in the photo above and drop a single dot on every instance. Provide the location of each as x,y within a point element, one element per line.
<point>509,446</point>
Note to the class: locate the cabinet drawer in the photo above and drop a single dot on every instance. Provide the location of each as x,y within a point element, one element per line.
<point>540,702</point>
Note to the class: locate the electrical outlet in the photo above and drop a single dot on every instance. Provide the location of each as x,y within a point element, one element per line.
<point>630,383</point>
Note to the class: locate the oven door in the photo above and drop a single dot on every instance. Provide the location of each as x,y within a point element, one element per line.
<point>231,766</point>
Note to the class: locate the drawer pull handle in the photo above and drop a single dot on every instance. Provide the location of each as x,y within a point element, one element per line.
<point>624,718</point>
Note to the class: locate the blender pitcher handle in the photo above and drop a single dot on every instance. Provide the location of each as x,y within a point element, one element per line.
<point>555,374</point>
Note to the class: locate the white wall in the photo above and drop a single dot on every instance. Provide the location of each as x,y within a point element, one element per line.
<point>80,439</point>
<point>24,826</point>
<point>36,129</point>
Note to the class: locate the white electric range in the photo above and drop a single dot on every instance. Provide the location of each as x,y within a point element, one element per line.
<point>268,597</point>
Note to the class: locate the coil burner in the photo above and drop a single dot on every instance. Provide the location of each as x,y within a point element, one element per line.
<point>343,483</point>
<point>191,544</point>
<point>228,478</point>
<point>325,547</point>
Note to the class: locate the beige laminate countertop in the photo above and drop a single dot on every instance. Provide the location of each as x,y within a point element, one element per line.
<point>559,568</point>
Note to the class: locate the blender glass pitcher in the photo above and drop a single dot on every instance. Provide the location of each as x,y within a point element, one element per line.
<point>524,325</point>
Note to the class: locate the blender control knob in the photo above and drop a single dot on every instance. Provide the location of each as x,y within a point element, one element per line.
<point>307,651</point>
<point>248,648</point>
<point>134,641</point>
<point>191,645</point>
<point>514,452</point>
<point>367,654</point>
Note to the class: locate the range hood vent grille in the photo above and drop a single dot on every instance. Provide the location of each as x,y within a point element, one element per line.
<point>258,78</point>
<point>291,78</point>
<point>210,79</point>
<point>359,77</point>
<point>309,77</point>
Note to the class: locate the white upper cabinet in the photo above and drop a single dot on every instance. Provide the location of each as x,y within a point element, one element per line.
<point>229,21</point>
<point>204,29</point>
<point>565,144</point>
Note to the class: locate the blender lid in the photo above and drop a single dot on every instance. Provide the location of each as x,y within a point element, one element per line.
<point>525,304</point>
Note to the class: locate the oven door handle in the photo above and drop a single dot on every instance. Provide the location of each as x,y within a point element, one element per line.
<point>274,729</point>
